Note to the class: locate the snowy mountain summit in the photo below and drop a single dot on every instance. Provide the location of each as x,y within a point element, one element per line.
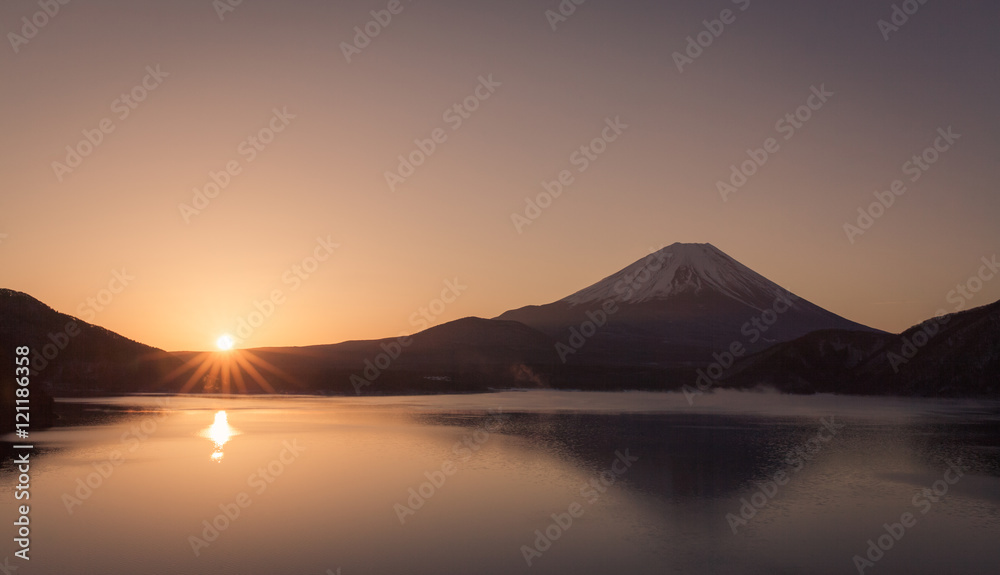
<point>682,269</point>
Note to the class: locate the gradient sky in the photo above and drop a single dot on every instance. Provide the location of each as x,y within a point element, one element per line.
<point>323,175</point>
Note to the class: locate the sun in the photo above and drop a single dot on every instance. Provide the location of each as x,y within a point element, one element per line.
<point>225,342</point>
<point>228,370</point>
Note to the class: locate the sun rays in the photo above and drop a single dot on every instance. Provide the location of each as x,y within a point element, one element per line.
<point>228,372</point>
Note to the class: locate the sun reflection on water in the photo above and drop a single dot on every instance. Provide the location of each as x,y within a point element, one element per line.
<point>220,432</point>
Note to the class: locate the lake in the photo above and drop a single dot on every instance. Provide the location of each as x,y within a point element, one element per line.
<point>512,482</point>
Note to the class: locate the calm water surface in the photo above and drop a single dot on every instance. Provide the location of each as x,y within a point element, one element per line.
<point>572,482</point>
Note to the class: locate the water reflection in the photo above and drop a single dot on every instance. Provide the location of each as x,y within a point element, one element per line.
<point>336,504</point>
<point>220,432</point>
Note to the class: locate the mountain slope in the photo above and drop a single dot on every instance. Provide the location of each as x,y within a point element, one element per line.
<point>676,307</point>
<point>71,356</point>
<point>954,355</point>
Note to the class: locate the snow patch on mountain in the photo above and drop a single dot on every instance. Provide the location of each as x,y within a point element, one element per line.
<point>679,269</point>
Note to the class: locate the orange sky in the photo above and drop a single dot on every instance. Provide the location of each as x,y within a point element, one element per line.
<point>529,98</point>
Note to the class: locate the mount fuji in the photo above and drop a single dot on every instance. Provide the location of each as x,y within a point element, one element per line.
<point>677,307</point>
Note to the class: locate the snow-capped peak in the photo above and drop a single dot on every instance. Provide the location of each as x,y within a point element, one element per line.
<point>682,268</point>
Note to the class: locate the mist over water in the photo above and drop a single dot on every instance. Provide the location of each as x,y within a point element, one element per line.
<point>623,482</point>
